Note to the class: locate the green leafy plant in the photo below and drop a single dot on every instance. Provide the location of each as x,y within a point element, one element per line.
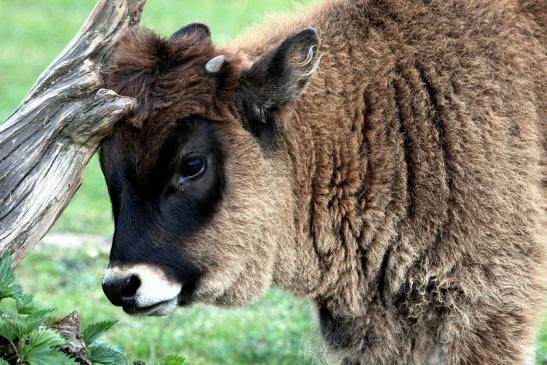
<point>24,336</point>
<point>34,336</point>
<point>29,335</point>
<point>99,352</point>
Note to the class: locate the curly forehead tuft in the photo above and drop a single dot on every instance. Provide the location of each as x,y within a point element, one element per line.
<point>168,78</point>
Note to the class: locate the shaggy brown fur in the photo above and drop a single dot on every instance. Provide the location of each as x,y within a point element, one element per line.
<point>404,194</point>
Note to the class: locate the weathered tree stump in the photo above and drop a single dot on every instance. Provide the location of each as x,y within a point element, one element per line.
<point>47,142</point>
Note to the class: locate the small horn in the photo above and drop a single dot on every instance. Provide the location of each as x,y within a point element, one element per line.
<point>215,64</point>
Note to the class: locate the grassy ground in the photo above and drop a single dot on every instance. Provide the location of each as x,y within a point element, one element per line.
<point>278,329</point>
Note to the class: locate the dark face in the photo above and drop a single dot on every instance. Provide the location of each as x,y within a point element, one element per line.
<point>200,196</point>
<point>157,211</point>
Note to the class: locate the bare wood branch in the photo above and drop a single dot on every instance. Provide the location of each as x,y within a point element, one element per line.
<point>69,328</point>
<point>47,142</point>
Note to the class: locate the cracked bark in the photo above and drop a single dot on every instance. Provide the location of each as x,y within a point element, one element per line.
<point>48,140</point>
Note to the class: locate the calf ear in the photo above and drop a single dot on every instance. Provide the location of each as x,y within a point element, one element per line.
<point>280,75</point>
<point>199,29</point>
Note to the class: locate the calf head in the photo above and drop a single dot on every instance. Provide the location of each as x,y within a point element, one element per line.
<point>198,176</point>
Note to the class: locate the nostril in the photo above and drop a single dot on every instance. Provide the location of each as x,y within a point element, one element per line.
<point>121,290</point>
<point>130,287</point>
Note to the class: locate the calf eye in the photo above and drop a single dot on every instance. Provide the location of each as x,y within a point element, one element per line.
<point>192,167</point>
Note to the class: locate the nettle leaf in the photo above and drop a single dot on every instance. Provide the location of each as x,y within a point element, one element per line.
<point>8,289</point>
<point>24,304</point>
<point>38,347</point>
<point>6,313</point>
<point>6,292</point>
<point>3,362</point>
<point>37,317</point>
<point>47,357</point>
<point>18,290</point>
<point>95,330</point>
<point>175,360</point>
<point>12,328</point>
<point>99,353</point>
<point>7,276</point>
<point>44,338</point>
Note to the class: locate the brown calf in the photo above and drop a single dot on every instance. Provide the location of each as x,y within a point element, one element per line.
<point>385,158</point>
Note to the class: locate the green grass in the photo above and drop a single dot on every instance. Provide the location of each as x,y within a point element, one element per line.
<point>277,329</point>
